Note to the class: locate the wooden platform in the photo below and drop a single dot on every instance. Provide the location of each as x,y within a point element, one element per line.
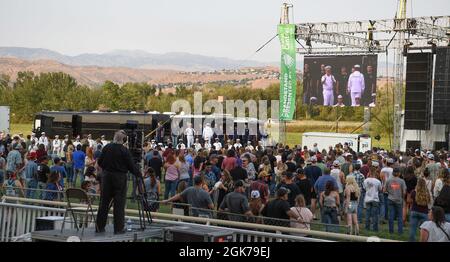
<point>89,235</point>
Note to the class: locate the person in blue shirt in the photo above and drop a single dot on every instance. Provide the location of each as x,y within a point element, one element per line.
<point>59,168</point>
<point>98,152</point>
<point>78,164</point>
<point>321,183</point>
<point>52,187</point>
<point>31,174</point>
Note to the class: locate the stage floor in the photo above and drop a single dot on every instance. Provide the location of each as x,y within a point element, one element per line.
<point>89,235</point>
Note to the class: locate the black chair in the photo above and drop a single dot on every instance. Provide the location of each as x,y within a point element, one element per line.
<point>79,196</point>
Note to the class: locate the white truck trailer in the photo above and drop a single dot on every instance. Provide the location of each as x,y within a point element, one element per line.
<point>358,142</point>
<point>4,119</point>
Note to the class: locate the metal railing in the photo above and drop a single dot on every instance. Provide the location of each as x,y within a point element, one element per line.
<point>10,216</point>
<point>186,209</point>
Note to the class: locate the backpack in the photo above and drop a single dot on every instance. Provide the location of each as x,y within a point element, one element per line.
<point>41,175</point>
<point>10,190</point>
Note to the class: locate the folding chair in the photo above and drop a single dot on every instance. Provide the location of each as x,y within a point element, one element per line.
<point>81,197</point>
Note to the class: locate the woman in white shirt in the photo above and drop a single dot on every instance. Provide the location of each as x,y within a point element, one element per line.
<point>437,229</point>
<point>304,215</point>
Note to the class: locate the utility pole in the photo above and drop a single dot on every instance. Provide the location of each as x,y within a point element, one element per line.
<point>400,27</point>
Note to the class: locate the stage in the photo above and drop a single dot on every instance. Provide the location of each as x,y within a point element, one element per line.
<point>72,235</point>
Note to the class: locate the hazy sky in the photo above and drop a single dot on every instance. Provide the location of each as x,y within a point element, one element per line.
<point>226,28</point>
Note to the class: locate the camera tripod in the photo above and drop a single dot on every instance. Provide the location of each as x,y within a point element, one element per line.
<point>143,206</point>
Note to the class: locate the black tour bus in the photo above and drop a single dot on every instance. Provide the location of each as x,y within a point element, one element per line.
<point>96,123</point>
<point>99,123</point>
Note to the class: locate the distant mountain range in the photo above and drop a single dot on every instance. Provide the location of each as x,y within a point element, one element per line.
<point>133,59</point>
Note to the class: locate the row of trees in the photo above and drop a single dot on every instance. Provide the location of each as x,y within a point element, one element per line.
<point>31,93</point>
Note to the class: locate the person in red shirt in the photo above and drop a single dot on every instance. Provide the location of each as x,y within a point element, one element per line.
<point>229,162</point>
<point>261,186</point>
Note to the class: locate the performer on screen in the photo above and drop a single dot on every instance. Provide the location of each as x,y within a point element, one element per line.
<point>342,80</point>
<point>318,86</point>
<point>356,85</point>
<point>328,84</point>
<point>371,86</point>
<point>307,84</point>
<point>340,101</point>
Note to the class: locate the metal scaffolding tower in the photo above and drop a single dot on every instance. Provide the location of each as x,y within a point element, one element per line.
<point>374,36</point>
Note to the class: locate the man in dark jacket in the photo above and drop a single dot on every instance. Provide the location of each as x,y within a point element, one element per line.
<point>116,161</point>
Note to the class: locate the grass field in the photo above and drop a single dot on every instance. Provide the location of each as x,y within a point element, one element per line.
<point>294,137</point>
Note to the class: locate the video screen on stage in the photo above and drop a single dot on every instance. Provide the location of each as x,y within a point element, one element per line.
<point>340,80</point>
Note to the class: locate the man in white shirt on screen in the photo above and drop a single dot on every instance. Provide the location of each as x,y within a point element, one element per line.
<point>190,133</point>
<point>340,101</point>
<point>356,85</point>
<point>328,83</point>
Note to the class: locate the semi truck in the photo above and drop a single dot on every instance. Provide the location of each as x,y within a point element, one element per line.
<point>358,142</point>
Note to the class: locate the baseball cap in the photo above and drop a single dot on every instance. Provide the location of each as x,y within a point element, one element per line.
<point>313,159</point>
<point>300,171</point>
<point>33,155</point>
<point>339,96</point>
<point>255,194</point>
<point>390,161</point>
<point>357,66</point>
<point>430,156</point>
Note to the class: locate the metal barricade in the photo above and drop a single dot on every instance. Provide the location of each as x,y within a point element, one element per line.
<point>249,230</point>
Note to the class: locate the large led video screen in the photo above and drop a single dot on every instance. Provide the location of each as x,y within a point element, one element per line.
<point>340,80</point>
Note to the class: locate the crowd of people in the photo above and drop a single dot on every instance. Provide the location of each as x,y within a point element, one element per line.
<point>292,186</point>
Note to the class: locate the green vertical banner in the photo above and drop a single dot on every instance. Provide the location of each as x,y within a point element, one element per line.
<point>288,77</point>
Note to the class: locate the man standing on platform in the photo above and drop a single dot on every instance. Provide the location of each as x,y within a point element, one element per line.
<point>208,133</point>
<point>356,85</point>
<point>328,82</point>
<point>116,161</point>
<point>190,133</point>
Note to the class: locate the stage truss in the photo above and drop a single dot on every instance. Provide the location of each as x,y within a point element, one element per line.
<point>365,37</point>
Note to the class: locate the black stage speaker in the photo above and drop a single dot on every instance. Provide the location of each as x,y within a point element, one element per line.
<point>413,144</point>
<point>441,95</point>
<point>419,69</point>
<point>76,125</point>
